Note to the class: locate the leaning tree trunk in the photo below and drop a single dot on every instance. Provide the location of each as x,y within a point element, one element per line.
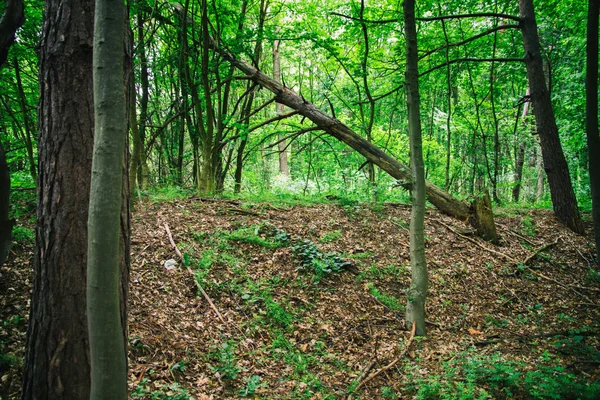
<point>591,120</point>
<point>555,165</point>
<point>57,363</point>
<point>444,201</point>
<point>417,293</point>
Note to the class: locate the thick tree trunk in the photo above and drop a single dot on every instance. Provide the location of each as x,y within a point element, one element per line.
<point>57,364</point>
<point>591,120</point>
<point>417,293</point>
<point>555,165</point>
<point>441,199</point>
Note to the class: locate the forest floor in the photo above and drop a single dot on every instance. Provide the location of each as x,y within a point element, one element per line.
<point>519,320</point>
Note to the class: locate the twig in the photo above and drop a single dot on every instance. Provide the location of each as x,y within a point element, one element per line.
<point>390,365</point>
<point>538,251</point>
<point>243,212</point>
<point>212,305</point>
<point>478,244</point>
<point>363,374</point>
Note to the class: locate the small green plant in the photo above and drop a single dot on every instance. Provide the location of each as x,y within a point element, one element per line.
<point>389,301</point>
<point>528,226</point>
<point>252,384</point>
<point>166,193</point>
<point>260,236</point>
<point>388,392</point>
<point>225,359</point>
<point>173,391</point>
<point>331,236</point>
<point>322,264</point>
<point>23,235</point>
<point>473,376</point>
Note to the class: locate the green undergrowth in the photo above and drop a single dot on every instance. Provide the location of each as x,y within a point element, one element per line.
<point>468,375</point>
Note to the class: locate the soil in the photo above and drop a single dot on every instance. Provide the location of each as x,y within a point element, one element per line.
<point>277,331</point>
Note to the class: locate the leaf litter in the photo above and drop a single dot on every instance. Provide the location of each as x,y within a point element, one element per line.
<point>285,333</point>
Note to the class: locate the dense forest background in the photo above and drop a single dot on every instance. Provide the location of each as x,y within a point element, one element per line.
<point>200,124</point>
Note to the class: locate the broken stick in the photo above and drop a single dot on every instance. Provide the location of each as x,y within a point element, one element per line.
<point>390,365</point>
<point>212,305</point>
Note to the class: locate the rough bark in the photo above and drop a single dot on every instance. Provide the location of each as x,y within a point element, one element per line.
<point>57,364</point>
<point>591,120</point>
<point>555,165</point>
<point>12,19</point>
<point>441,199</point>
<point>417,293</point>
<point>485,225</point>
<point>520,161</point>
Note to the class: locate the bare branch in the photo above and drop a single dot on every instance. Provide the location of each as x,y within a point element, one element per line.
<point>482,34</point>
<point>467,59</point>
<point>475,15</point>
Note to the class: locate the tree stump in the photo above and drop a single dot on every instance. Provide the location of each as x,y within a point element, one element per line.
<point>483,218</point>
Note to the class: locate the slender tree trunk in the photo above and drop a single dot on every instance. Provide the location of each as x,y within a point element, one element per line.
<point>520,161</point>
<point>136,156</point>
<point>26,122</point>
<point>417,294</point>
<point>107,347</point>
<point>496,130</point>
<point>539,167</point>
<point>283,159</point>
<point>6,224</point>
<point>555,165</point>
<point>591,120</point>
<point>143,172</point>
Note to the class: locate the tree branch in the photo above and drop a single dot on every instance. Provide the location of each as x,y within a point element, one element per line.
<point>468,59</point>
<point>475,15</point>
<point>482,34</point>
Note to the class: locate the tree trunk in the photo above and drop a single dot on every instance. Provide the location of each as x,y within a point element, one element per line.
<point>57,364</point>
<point>591,120</point>
<point>555,165</point>
<point>417,293</point>
<point>283,159</point>
<point>12,19</point>
<point>441,199</point>
<point>520,161</point>
<point>6,224</point>
<point>26,122</point>
<point>107,346</point>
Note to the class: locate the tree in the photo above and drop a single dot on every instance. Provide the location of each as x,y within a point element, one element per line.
<point>591,113</point>
<point>107,342</point>
<point>417,293</point>
<point>57,363</point>
<point>11,20</point>
<point>555,164</point>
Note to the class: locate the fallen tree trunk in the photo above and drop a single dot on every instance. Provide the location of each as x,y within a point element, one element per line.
<point>444,201</point>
